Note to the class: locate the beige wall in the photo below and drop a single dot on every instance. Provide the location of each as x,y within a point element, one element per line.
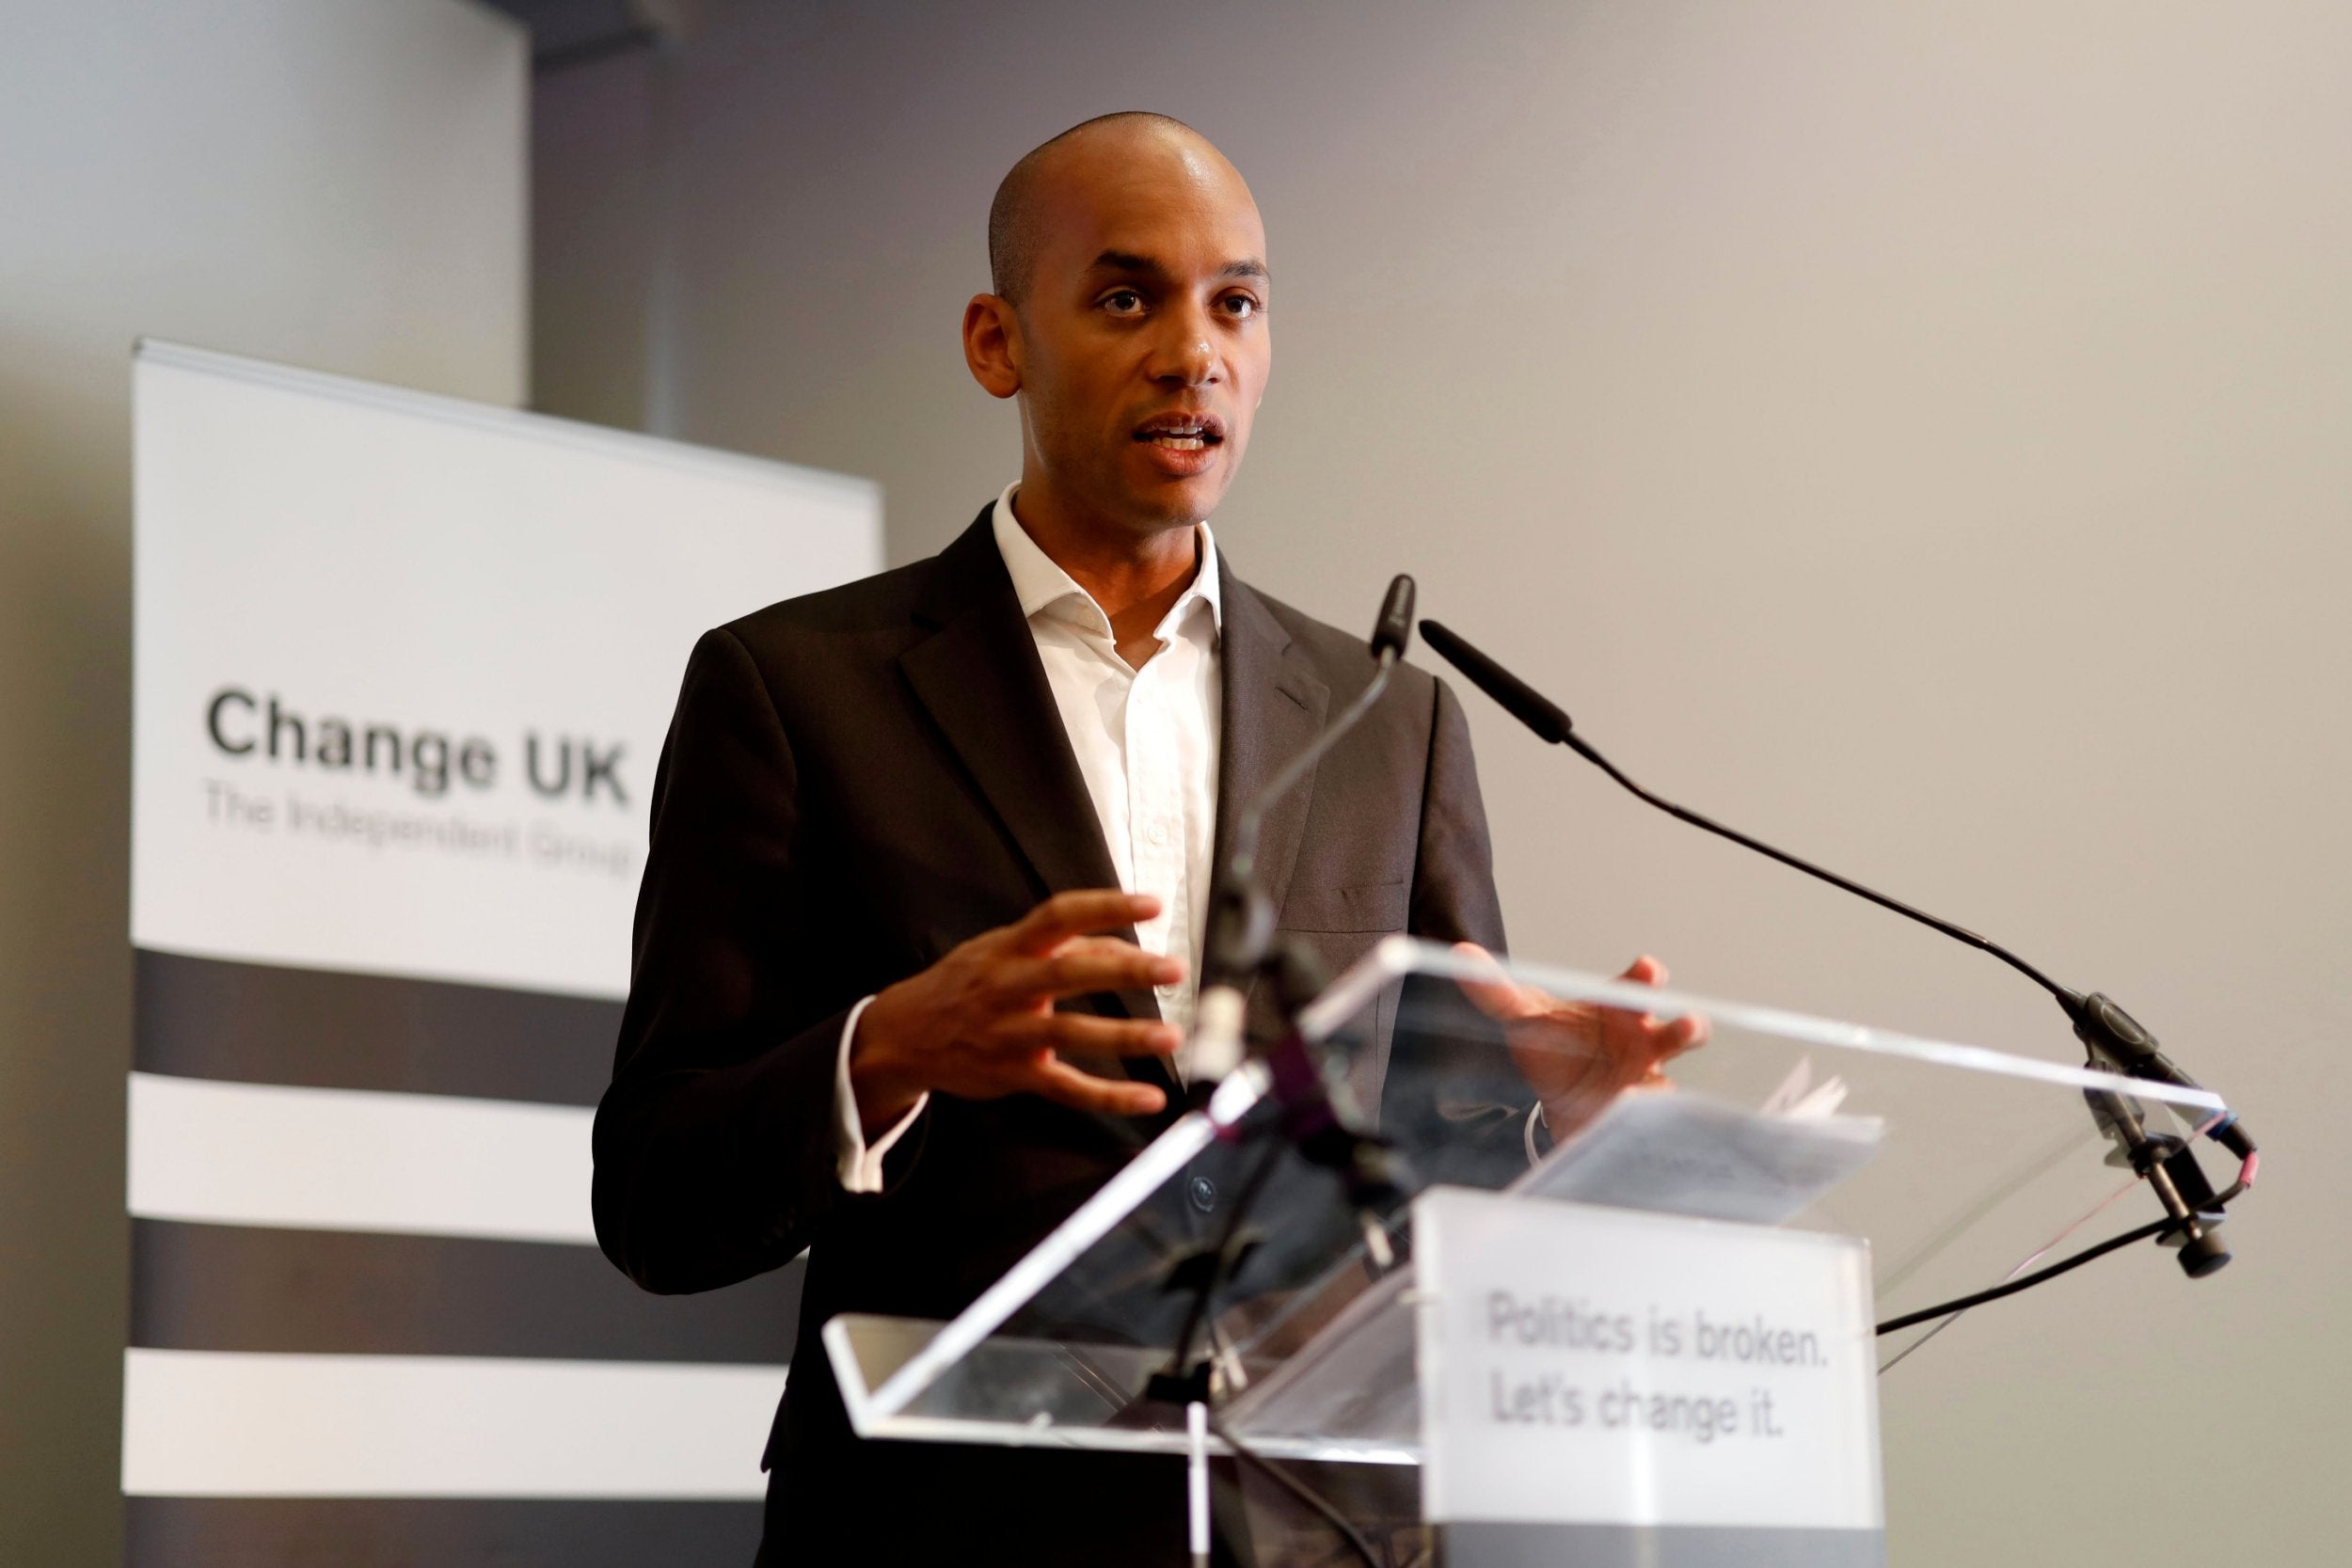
<point>341,186</point>
<point>1919,433</point>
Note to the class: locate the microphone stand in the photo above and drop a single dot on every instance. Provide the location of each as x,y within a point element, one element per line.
<point>1241,948</point>
<point>1241,918</point>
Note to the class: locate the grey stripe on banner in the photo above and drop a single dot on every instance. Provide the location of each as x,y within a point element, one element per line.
<point>233,1288</point>
<point>302,1532</point>
<point>261,1024</point>
<point>1496,1544</point>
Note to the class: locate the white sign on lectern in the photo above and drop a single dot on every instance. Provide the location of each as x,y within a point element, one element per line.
<point>1596,1377</point>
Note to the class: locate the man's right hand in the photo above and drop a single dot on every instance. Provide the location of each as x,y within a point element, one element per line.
<point>980,1023</point>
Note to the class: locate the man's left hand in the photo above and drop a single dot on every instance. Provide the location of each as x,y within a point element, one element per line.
<point>1579,1056</point>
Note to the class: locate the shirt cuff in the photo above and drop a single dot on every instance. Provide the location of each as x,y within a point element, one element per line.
<point>858,1163</point>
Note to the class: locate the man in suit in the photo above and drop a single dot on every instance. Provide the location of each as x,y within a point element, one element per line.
<point>933,855</point>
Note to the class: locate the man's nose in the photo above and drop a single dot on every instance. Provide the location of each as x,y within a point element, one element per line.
<point>1186,352</point>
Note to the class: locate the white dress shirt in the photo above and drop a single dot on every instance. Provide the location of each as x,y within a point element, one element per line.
<point>1145,741</point>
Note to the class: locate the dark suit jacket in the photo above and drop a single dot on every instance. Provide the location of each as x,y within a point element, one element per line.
<point>855,783</point>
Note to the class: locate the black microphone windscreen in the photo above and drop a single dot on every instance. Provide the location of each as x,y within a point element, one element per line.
<point>1396,626</point>
<point>1517,698</point>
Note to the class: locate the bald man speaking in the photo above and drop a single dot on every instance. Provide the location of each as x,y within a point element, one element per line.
<point>932,854</point>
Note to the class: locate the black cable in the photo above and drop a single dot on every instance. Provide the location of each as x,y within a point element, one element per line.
<point>1957,933</point>
<point>1300,1490</point>
<point>2153,1228</point>
<point>1552,723</point>
<point>1199,1314</point>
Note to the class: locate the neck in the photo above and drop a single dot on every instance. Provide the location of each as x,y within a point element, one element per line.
<point>1134,576</point>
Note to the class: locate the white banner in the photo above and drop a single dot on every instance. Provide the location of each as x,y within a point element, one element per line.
<point>404,670</point>
<point>404,665</point>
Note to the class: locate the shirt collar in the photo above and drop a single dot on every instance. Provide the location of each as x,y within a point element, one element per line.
<point>1042,586</point>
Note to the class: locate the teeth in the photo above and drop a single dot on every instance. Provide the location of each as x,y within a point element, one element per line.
<point>1180,443</point>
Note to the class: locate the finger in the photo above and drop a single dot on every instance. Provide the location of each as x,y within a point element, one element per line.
<point>1661,1041</point>
<point>1687,1033</point>
<point>1080,967</point>
<point>1078,913</point>
<point>1645,971</point>
<point>1085,1032</point>
<point>1064,1085</point>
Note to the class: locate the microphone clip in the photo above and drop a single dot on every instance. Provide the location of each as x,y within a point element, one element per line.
<point>2117,1040</point>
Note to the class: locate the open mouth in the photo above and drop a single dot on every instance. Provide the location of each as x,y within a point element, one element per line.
<point>1182,432</point>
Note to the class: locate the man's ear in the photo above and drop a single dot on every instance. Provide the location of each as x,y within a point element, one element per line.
<point>992,344</point>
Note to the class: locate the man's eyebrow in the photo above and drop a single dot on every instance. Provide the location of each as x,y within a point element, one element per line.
<point>1128,262</point>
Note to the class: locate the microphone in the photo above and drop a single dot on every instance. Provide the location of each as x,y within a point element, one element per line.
<point>1241,920</point>
<point>1394,629</point>
<point>2110,1034</point>
<point>1517,698</point>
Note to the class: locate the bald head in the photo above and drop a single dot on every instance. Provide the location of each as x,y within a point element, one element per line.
<point>1128,315</point>
<point>1022,215</point>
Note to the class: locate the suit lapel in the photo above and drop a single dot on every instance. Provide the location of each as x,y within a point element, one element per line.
<point>1274,705</point>
<point>978,678</point>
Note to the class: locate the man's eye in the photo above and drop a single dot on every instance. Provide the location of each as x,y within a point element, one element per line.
<point>1240,306</point>
<point>1123,301</point>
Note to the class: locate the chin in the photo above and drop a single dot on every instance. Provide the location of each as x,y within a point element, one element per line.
<point>1164,512</point>
<point>1178,502</point>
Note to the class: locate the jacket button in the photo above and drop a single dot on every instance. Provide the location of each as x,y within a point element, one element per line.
<point>1202,1191</point>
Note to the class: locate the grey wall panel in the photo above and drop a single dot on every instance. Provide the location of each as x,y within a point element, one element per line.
<point>371,1532</point>
<point>340,186</point>
<point>211,1287</point>
<point>264,1023</point>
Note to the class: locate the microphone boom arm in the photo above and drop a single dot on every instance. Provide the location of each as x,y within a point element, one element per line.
<point>2110,1034</point>
<point>1240,936</point>
<point>1577,744</point>
<point>1241,861</point>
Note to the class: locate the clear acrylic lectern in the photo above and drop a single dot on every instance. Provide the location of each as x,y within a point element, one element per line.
<point>1940,1168</point>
